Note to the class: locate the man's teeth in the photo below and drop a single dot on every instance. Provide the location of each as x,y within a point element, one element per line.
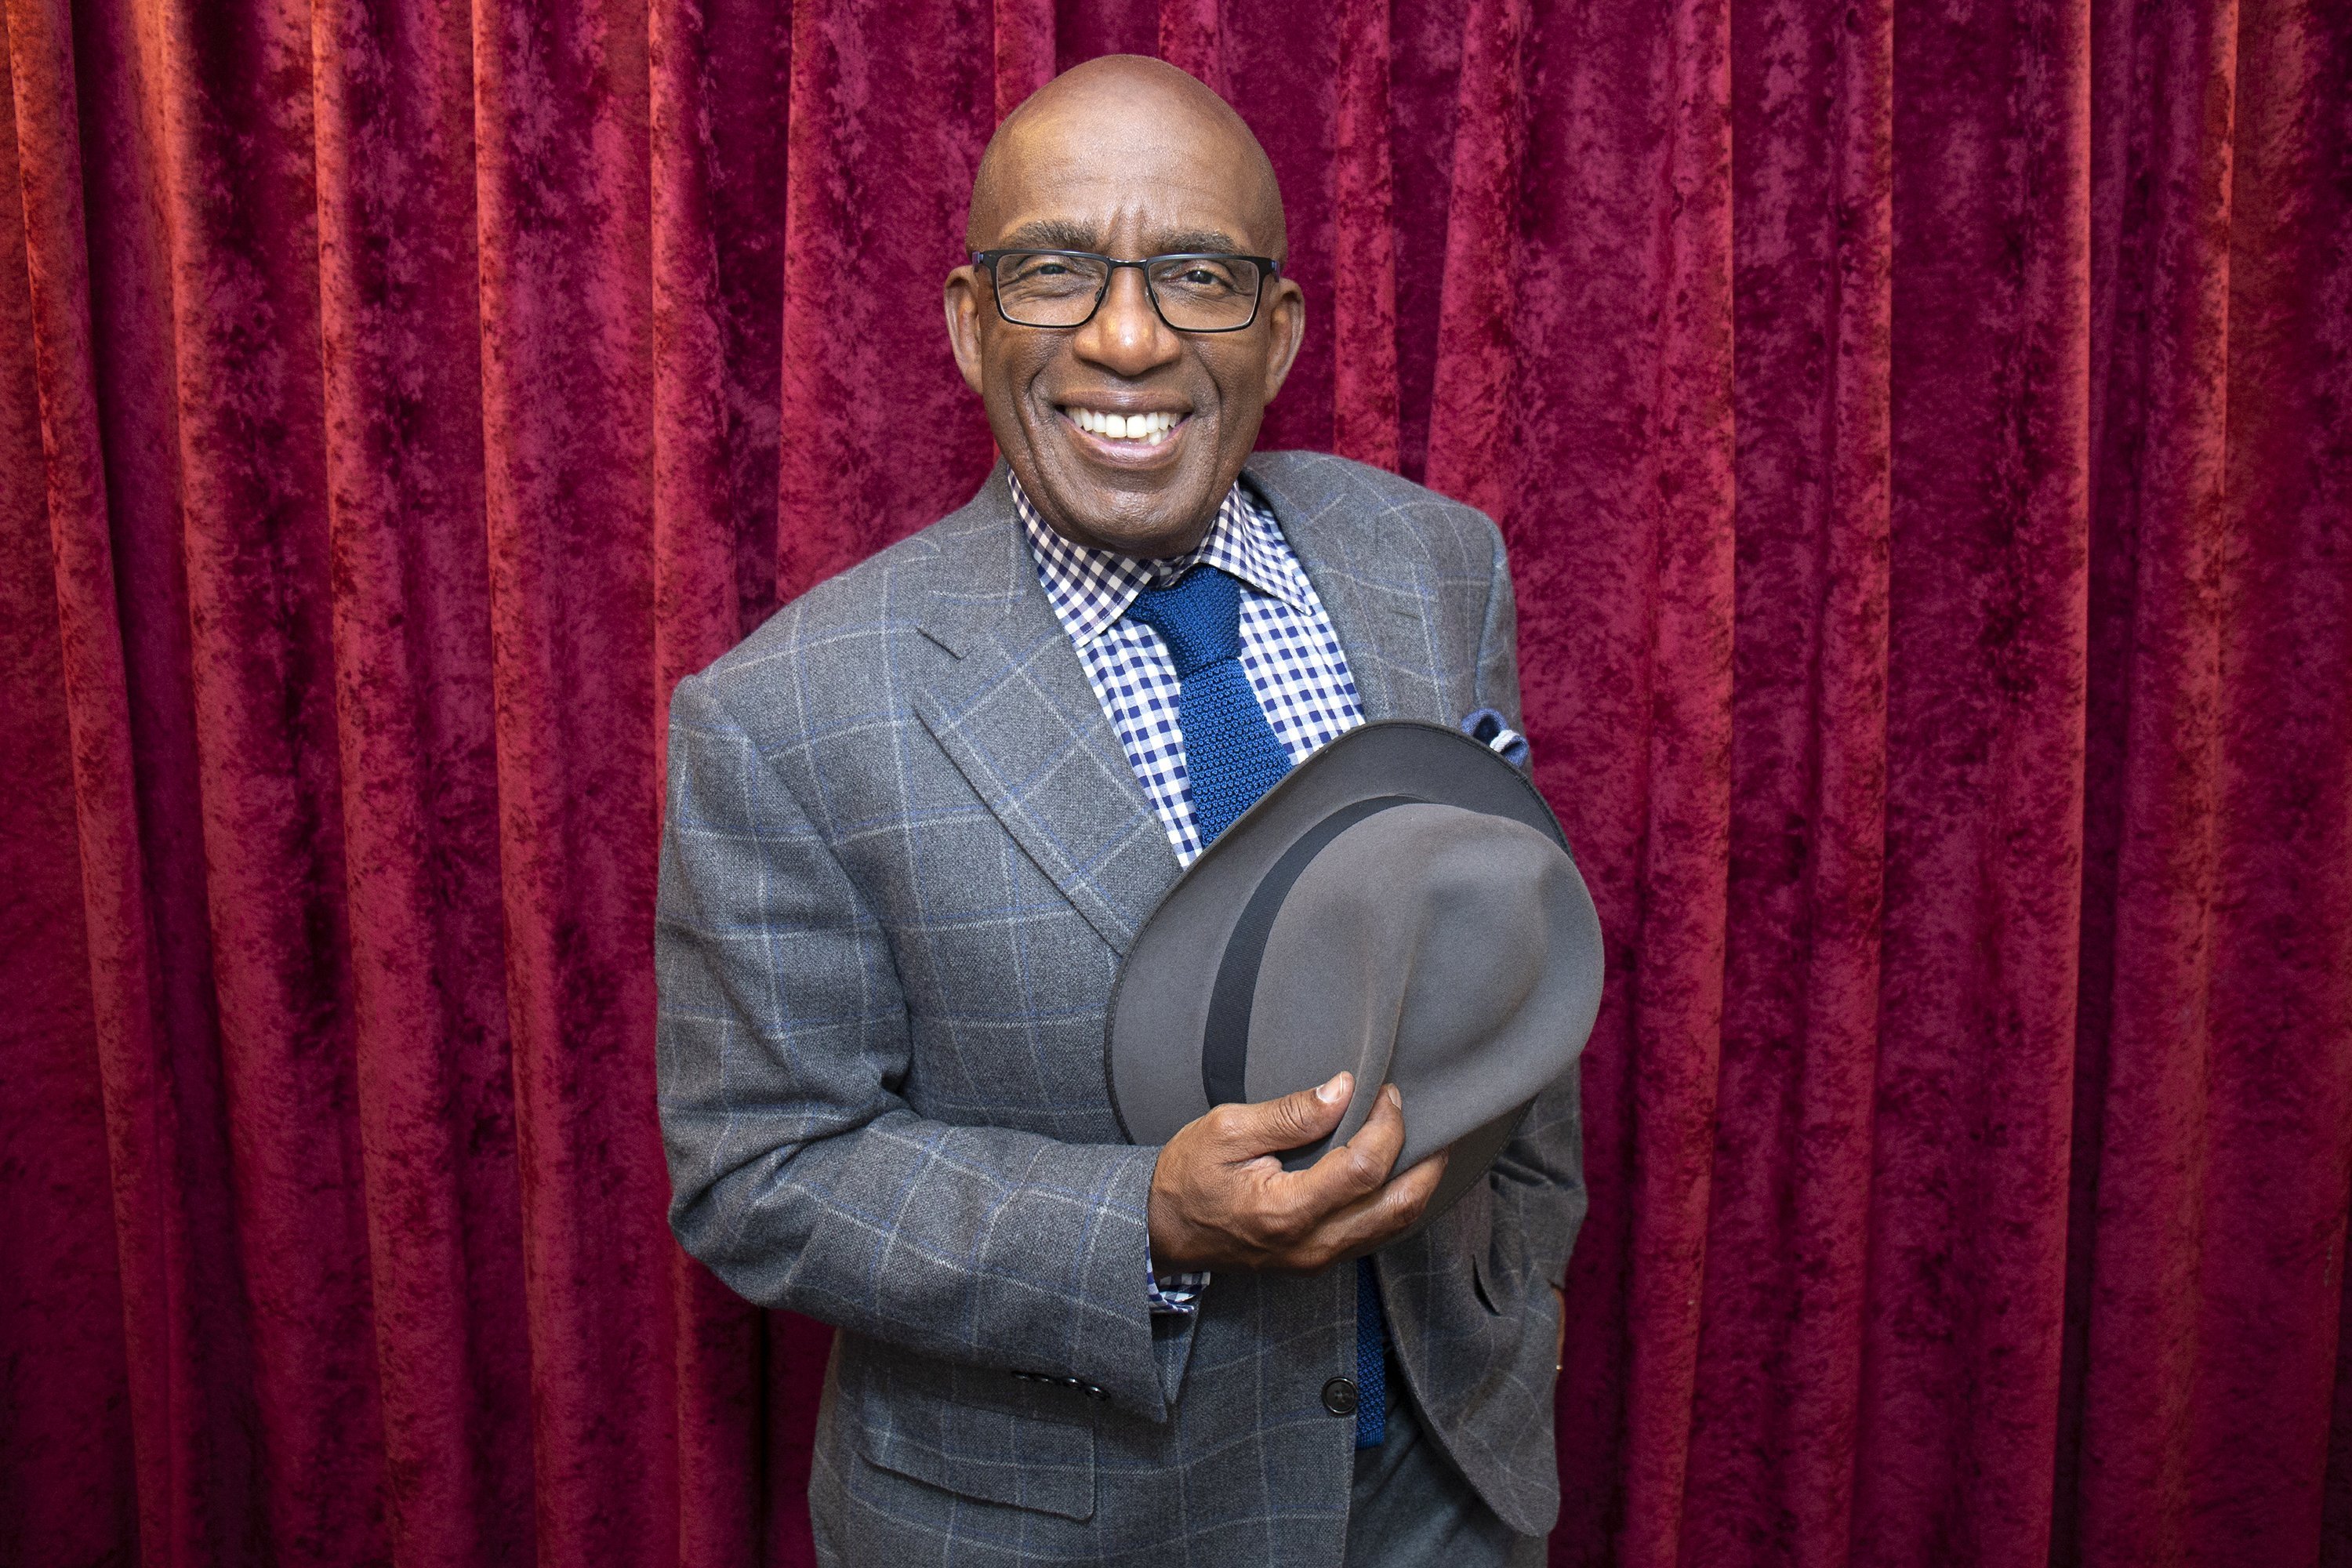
<point>1148,428</point>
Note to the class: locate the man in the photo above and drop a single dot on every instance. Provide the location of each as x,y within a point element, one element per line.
<point>915,821</point>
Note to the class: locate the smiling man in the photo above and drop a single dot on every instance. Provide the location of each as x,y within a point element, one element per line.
<point>916,821</point>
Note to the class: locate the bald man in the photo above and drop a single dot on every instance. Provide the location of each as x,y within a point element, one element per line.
<point>915,821</point>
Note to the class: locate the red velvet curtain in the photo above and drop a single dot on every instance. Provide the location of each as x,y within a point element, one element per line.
<point>1924,431</point>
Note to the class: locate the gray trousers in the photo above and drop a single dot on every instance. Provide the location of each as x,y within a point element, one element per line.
<point>1411,1507</point>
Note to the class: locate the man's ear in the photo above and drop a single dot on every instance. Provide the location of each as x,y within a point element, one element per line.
<point>963,323</point>
<point>1287,317</point>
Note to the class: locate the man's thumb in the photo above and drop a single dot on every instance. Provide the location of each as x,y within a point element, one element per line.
<point>1305,1116</point>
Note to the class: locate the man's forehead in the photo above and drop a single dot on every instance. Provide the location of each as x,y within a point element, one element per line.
<point>1104,209</point>
<point>1162,160</point>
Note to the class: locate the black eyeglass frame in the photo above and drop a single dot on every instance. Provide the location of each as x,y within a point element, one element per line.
<point>1267,267</point>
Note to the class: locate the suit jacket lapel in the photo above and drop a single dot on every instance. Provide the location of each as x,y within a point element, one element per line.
<point>1014,713</point>
<point>1378,596</point>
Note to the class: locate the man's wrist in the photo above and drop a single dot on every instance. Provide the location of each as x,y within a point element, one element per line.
<point>1163,1233</point>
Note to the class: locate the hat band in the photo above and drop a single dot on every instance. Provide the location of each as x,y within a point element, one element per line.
<point>1224,1043</point>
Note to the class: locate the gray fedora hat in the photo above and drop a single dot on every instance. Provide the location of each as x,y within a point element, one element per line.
<point>1402,905</point>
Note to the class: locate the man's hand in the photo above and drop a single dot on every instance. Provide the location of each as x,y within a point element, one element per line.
<point>1221,1199</point>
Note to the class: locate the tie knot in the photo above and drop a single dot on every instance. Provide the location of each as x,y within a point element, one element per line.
<point>1199,616</point>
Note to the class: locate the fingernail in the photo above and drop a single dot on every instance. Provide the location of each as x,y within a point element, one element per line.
<point>1395,1096</point>
<point>1331,1092</point>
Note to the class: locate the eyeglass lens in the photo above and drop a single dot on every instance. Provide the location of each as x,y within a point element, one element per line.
<point>1195,294</point>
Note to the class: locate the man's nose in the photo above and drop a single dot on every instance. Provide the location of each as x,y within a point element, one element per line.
<point>1127,336</point>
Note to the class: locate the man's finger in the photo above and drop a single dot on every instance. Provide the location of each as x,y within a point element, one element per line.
<point>1270,1126</point>
<point>1359,1165</point>
<point>1399,1202</point>
<point>1373,1219</point>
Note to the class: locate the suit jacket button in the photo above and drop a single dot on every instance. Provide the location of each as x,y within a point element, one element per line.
<point>1340,1396</point>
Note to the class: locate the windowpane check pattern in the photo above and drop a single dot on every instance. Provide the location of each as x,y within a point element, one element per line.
<point>1289,651</point>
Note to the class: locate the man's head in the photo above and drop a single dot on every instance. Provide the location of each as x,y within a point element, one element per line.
<point>1128,157</point>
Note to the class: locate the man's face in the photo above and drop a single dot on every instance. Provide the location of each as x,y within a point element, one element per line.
<point>1127,182</point>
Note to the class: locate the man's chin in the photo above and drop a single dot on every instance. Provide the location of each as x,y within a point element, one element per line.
<point>1166,517</point>
<point>1106,523</point>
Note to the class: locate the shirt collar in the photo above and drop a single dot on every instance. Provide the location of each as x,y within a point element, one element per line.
<point>1091,589</point>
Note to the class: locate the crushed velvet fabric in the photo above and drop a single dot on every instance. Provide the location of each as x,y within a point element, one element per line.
<point>1924,432</point>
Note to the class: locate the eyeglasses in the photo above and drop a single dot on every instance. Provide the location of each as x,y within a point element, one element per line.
<point>1205,291</point>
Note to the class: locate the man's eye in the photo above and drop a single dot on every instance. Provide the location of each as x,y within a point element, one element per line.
<point>1045,272</point>
<point>1199,278</point>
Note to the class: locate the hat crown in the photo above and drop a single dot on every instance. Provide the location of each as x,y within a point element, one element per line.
<point>1481,931</point>
<point>1417,948</point>
<point>1434,914</point>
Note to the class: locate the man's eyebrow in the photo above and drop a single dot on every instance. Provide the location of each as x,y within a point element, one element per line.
<point>1050,234</point>
<point>1194,240</point>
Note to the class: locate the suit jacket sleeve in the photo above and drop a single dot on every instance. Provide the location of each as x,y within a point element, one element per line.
<point>1538,1180</point>
<point>800,1175</point>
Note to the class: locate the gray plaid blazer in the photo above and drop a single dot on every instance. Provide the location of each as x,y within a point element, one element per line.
<point>903,854</point>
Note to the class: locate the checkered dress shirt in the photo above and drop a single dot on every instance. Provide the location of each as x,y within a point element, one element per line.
<point>1289,651</point>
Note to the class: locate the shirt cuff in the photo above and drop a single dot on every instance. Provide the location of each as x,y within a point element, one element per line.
<point>1179,1292</point>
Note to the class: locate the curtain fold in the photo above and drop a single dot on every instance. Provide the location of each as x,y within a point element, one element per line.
<point>1782,1313</point>
<point>64,1295</point>
<point>1923,432</point>
<point>1984,782</point>
<point>2162,96</point>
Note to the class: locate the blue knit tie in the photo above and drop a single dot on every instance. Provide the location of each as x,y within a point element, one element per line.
<point>1231,756</point>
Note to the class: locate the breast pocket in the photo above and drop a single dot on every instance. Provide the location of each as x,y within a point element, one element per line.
<point>984,1435</point>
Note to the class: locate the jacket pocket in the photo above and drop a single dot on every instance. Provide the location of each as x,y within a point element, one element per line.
<point>1472,1226</point>
<point>1482,1280</point>
<point>977,1448</point>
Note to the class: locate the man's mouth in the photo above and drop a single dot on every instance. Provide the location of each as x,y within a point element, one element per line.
<point>1130,431</point>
